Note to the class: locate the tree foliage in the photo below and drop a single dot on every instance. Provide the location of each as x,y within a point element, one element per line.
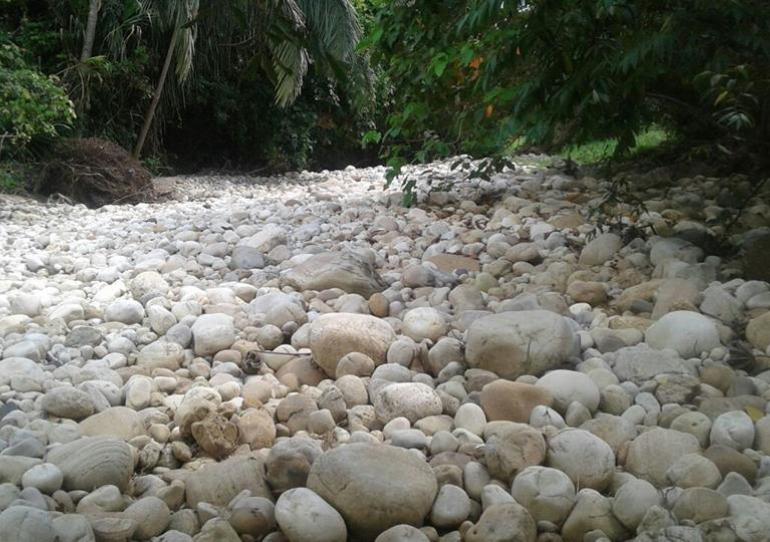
<point>267,50</point>
<point>32,105</point>
<point>473,75</point>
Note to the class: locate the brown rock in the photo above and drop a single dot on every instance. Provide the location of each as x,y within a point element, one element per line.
<point>345,270</point>
<point>452,262</point>
<point>294,410</point>
<point>567,221</point>
<point>334,335</point>
<point>119,422</point>
<point>719,376</point>
<point>256,392</point>
<point>303,368</point>
<point>640,292</point>
<point>289,462</point>
<point>216,435</point>
<point>730,460</point>
<point>513,447</point>
<point>758,331</point>
<point>512,401</point>
<point>379,305</point>
<point>356,364</point>
<point>256,428</point>
<point>675,295</point>
<point>593,293</point>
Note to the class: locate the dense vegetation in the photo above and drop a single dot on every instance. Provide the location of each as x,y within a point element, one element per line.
<point>472,75</point>
<point>241,82</point>
<point>302,83</point>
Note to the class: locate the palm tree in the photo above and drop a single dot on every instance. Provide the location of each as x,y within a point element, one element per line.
<point>329,33</point>
<point>90,33</point>
<point>282,37</point>
<point>180,15</point>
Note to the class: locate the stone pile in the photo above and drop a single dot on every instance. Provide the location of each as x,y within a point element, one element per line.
<point>301,359</point>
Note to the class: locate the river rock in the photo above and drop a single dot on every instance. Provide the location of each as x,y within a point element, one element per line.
<point>410,400</point>
<point>512,401</point>
<point>511,344</point>
<point>734,429</point>
<point>26,524</point>
<point>374,487</point>
<point>212,333</point>
<point>548,494</point>
<point>303,516</point>
<point>503,522</point>
<point>584,457</point>
<point>600,249</point>
<point>511,448</point>
<point>91,462</point>
<point>757,331</point>
<point>652,453</point>
<point>219,483</point>
<point>344,270</point>
<point>335,335</point>
<point>125,311</point>
<point>119,422</point>
<point>424,323</point>
<point>68,402</point>
<point>687,332</point>
<point>567,387</point>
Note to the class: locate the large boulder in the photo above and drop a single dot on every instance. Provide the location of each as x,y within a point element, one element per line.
<point>26,524</point>
<point>119,422</point>
<point>303,516</point>
<point>600,249</point>
<point>653,452</point>
<point>334,335</point>
<point>212,333</point>
<point>512,401</point>
<point>92,462</point>
<point>374,487</point>
<point>219,483</point>
<point>584,457</point>
<point>548,494</point>
<point>411,400</point>
<point>512,447</point>
<point>687,332</point>
<point>344,270</point>
<point>67,402</point>
<point>641,363</point>
<point>161,354</point>
<point>522,342</point>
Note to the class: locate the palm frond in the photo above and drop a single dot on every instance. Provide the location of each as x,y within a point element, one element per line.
<point>290,63</point>
<point>334,24</point>
<point>125,21</point>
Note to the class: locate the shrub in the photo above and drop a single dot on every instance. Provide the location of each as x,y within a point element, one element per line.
<point>32,105</point>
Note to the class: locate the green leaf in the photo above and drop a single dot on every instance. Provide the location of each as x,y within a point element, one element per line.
<point>372,136</point>
<point>440,63</point>
<point>722,96</point>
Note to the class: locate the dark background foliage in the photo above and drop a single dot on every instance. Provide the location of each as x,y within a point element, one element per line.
<point>270,85</point>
